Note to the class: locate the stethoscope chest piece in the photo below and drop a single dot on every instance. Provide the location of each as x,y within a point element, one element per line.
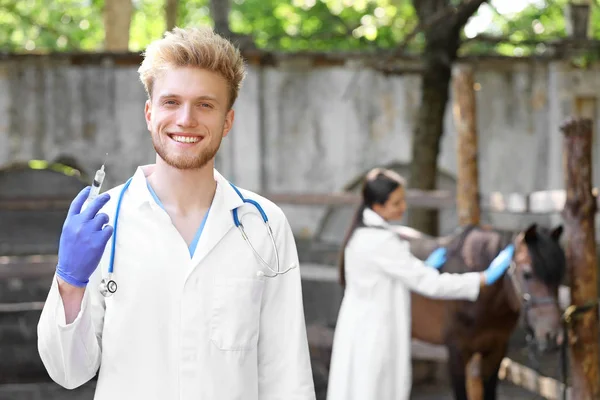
<point>108,287</point>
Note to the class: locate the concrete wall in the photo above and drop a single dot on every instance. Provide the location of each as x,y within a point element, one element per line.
<point>299,126</point>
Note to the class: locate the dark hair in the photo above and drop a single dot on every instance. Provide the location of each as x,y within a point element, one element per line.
<point>547,257</point>
<point>376,189</point>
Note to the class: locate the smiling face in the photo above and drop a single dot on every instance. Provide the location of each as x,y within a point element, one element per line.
<point>188,116</point>
<point>394,207</point>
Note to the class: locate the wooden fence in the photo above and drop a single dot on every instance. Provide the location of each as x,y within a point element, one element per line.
<point>540,202</point>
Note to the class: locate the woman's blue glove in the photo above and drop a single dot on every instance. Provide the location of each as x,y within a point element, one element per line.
<point>499,265</point>
<point>83,239</point>
<point>437,258</point>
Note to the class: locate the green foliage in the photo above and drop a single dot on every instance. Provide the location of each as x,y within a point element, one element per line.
<point>323,24</point>
<point>68,25</point>
<point>283,25</point>
<point>540,21</point>
<point>39,25</point>
<point>537,22</point>
<point>147,23</point>
<point>71,25</point>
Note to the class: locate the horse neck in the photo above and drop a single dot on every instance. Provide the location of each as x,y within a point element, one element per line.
<point>500,295</point>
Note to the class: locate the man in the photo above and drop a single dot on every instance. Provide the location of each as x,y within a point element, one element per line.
<point>195,314</point>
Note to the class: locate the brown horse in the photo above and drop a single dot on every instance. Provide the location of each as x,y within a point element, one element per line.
<point>529,289</point>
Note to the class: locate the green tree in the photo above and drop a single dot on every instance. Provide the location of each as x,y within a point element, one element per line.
<point>72,25</point>
<point>281,25</point>
<point>298,25</point>
<point>442,24</point>
<point>288,25</point>
<point>39,25</point>
<point>531,31</point>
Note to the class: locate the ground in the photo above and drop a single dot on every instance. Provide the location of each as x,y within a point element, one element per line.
<point>506,392</point>
<point>51,391</point>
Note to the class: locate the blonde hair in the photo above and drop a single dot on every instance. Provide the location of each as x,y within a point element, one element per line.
<point>194,47</point>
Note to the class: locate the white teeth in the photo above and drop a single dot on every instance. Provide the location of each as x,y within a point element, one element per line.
<point>185,139</point>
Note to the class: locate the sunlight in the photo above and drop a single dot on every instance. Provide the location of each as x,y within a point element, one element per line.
<point>481,22</point>
<point>511,6</point>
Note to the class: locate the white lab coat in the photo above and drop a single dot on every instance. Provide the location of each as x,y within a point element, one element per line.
<point>206,328</point>
<point>371,348</point>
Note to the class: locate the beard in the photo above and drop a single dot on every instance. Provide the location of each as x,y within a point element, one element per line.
<point>187,161</point>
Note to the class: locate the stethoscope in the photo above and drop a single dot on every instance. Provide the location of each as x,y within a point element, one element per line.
<point>108,286</point>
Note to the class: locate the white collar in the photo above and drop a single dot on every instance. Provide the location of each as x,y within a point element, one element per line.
<point>140,195</point>
<point>371,218</point>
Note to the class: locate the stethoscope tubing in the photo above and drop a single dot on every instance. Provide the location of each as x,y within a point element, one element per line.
<point>108,286</point>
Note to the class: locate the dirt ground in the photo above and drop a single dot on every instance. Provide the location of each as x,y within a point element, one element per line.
<point>506,391</point>
<point>51,391</point>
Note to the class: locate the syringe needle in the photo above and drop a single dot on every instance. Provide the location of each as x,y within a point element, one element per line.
<point>97,183</point>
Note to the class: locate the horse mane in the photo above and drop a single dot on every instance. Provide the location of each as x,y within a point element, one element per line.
<point>474,248</point>
<point>547,256</point>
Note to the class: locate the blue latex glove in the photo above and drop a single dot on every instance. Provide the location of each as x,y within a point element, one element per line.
<point>437,258</point>
<point>83,239</point>
<point>499,265</point>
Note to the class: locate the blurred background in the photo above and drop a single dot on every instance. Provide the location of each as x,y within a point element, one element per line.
<point>334,88</point>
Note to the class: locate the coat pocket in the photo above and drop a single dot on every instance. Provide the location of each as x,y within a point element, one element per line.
<point>235,318</point>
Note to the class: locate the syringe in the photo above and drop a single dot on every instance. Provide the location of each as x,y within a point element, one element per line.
<point>97,184</point>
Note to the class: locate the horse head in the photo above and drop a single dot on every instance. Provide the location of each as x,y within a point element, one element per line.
<point>537,269</point>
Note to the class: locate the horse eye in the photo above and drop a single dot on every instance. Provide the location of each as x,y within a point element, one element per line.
<point>527,275</point>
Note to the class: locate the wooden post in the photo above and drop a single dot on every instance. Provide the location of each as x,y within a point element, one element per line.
<point>464,110</point>
<point>577,19</point>
<point>117,24</point>
<point>579,217</point>
<point>171,7</point>
<point>467,184</point>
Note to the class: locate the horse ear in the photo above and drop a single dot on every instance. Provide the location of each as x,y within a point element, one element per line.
<point>556,232</point>
<point>530,233</point>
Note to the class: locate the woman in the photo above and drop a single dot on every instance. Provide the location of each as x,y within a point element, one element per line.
<point>371,349</point>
